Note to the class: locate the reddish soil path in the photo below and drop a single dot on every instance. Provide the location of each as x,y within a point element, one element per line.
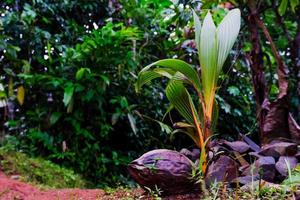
<point>12,189</point>
<point>16,190</point>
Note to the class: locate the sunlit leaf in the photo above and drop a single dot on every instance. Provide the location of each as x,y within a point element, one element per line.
<point>21,95</point>
<point>282,7</point>
<point>68,94</point>
<point>70,105</point>
<point>227,33</point>
<point>294,4</point>
<point>80,73</point>
<point>183,125</point>
<point>233,90</point>
<point>105,79</point>
<point>208,56</point>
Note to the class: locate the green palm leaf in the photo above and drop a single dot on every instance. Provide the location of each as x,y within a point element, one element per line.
<point>182,101</point>
<point>178,66</point>
<point>147,76</point>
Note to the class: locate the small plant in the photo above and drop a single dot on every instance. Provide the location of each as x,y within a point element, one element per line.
<point>156,193</point>
<point>213,44</point>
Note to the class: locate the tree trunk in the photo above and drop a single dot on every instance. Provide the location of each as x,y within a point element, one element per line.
<point>256,63</point>
<point>274,118</point>
<point>295,56</point>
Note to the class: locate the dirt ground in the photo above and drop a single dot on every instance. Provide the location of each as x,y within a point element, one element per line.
<point>17,190</point>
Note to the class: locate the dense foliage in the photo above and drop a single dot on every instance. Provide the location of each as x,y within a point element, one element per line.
<point>68,70</point>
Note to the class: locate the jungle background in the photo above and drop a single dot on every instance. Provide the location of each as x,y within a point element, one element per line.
<point>68,68</point>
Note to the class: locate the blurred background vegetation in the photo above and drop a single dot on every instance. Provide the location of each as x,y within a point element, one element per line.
<point>68,68</point>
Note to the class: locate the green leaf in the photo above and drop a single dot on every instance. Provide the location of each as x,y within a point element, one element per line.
<point>144,78</point>
<point>234,91</point>
<point>282,7</point>
<point>70,105</point>
<point>294,4</point>
<point>178,66</point>
<point>215,116</point>
<point>165,128</point>
<point>80,73</point>
<point>68,94</point>
<point>105,79</point>
<point>181,100</point>
<point>55,117</point>
<point>132,123</point>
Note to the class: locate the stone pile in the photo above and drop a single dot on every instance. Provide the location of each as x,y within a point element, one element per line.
<point>236,163</point>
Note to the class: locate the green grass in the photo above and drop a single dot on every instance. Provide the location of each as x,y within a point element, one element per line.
<point>38,171</point>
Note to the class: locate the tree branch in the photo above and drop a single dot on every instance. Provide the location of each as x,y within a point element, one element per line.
<point>282,70</point>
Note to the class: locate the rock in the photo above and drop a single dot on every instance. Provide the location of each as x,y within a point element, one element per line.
<point>253,146</point>
<point>215,146</point>
<point>168,170</point>
<point>224,169</point>
<point>187,153</point>
<point>279,148</point>
<point>264,166</point>
<point>281,165</point>
<point>243,180</point>
<point>238,146</point>
<point>192,155</point>
<point>196,154</point>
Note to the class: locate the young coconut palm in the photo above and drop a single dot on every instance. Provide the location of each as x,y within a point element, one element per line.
<point>213,44</point>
